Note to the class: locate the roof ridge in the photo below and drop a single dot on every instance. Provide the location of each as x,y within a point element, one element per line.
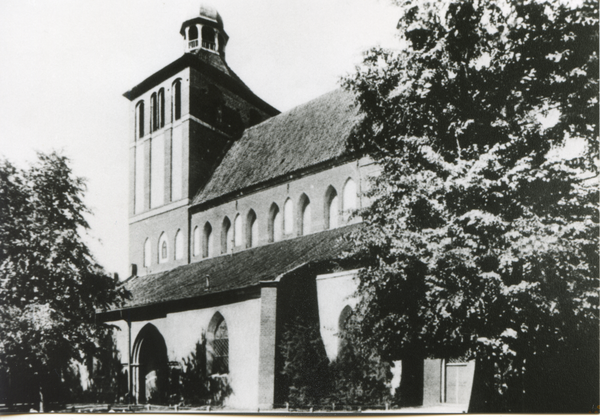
<point>296,107</point>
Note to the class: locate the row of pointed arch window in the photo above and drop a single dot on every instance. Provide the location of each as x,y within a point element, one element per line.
<point>163,249</point>
<point>280,223</point>
<point>157,110</point>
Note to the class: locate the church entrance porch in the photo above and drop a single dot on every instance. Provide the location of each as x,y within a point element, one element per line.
<point>150,368</point>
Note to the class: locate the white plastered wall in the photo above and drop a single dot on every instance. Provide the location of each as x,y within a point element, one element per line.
<point>182,330</point>
<point>334,292</point>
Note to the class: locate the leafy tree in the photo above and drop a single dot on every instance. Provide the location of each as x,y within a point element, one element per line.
<point>50,285</point>
<point>108,381</point>
<point>481,240</point>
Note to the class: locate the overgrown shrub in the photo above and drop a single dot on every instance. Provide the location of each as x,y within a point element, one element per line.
<point>356,378</point>
<point>196,386</point>
<point>305,363</point>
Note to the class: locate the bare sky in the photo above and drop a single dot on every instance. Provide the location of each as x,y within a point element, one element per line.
<point>64,65</point>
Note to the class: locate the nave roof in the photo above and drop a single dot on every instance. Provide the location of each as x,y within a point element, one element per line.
<point>236,271</point>
<point>305,137</point>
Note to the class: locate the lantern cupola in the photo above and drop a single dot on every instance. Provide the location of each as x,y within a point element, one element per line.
<point>205,32</point>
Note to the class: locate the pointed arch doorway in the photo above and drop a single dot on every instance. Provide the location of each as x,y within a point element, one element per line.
<point>150,366</point>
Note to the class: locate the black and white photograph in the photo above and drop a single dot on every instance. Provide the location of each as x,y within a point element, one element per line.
<point>314,208</point>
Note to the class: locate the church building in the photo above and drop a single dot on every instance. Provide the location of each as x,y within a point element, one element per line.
<point>237,220</point>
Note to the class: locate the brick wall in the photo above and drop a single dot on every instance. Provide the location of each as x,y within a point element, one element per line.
<point>168,222</point>
<point>314,186</point>
<point>267,347</point>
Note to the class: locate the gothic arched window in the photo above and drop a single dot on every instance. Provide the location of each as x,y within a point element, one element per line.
<point>207,241</point>
<point>349,197</point>
<point>304,218</point>
<point>163,248</point>
<point>218,345</point>
<point>274,223</point>
<point>226,235</point>
<point>251,229</point>
<point>331,208</point>
<point>179,245</point>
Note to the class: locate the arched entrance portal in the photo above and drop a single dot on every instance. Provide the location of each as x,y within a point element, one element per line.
<point>151,366</point>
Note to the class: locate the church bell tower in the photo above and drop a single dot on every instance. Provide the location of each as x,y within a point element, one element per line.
<point>184,117</point>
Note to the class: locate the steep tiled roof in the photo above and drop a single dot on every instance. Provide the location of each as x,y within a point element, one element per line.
<point>238,270</point>
<point>308,135</point>
<point>212,66</point>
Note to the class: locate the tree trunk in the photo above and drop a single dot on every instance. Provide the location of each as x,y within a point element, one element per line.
<point>411,382</point>
<point>482,396</point>
<point>41,398</point>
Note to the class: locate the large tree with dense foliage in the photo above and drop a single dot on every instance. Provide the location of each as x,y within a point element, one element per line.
<point>482,240</point>
<point>50,285</point>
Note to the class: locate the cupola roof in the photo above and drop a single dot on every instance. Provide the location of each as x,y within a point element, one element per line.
<point>207,15</point>
<point>209,12</point>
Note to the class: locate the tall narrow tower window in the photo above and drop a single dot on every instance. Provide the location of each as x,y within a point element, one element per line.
<point>161,108</point>
<point>154,112</point>
<point>176,100</point>
<point>139,120</point>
